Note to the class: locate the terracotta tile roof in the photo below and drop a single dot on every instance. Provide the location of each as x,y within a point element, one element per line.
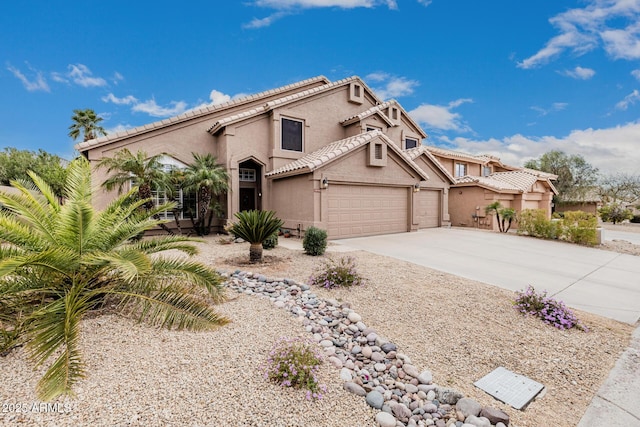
<point>460,155</point>
<point>513,181</point>
<point>194,113</point>
<point>337,149</point>
<point>376,109</point>
<point>420,150</point>
<point>280,102</point>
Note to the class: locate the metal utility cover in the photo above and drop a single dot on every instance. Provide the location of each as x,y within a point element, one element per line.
<point>509,387</point>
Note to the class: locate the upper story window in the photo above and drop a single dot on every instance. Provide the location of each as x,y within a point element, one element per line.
<point>486,170</point>
<point>410,143</point>
<point>247,175</point>
<point>292,134</point>
<point>460,169</point>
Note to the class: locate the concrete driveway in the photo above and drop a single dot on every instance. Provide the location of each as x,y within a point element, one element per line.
<point>593,280</point>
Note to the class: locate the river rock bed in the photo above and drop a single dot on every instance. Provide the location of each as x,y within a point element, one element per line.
<point>370,365</point>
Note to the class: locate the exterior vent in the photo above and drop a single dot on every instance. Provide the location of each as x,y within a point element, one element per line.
<point>356,93</point>
<point>377,153</point>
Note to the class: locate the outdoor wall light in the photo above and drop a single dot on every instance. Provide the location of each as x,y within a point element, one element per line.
<point>325,183</point>
<point>416,187</point>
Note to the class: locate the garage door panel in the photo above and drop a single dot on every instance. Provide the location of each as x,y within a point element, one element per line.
<point>358,210</point>
<point>429,208</point>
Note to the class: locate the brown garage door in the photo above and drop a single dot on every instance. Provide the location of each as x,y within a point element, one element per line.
<point>359,210</point>
<point>428,208</point>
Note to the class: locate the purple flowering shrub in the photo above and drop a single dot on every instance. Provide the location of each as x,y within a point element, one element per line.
<point>337,273</point>
<point>294,362</point>
<point>551,312</point>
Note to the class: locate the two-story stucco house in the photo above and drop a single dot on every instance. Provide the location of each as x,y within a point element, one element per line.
<point>481,180</point>
<point>321,153</point>
<point>329,154</point>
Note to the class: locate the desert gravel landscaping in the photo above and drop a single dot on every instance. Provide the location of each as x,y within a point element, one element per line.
<point>457,328</point>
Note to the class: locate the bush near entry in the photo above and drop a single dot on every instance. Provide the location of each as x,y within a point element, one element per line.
<point>576,226</point>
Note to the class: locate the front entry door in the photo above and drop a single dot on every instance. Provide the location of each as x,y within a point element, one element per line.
<point>247,199</point>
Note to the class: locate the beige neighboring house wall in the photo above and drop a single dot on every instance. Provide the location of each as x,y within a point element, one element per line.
<point>488,180</point>
<point>350,175</point>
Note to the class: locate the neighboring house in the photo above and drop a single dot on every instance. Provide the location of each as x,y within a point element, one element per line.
<point>482,180</point>
<point>590,203</point>
<point>321,153</point>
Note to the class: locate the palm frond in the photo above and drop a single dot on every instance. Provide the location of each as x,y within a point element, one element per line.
<point>57,327</point>
<point>175,307</point>
<point>189,272</point>
<point>31,210</point>
<point>161,244</point>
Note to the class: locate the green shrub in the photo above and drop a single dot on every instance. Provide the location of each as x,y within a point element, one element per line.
<point>334,274</point>
<point>534,222</point>
<point>271,241</point>
<point>614,213</point>
<point>315,241</point>
<point>635,219</point>
<point>294,362</point>
<point>580,227</point>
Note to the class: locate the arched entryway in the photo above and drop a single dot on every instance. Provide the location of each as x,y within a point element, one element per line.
<point>250,179</point>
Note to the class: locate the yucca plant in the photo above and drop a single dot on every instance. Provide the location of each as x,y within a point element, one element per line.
<point>255,227</point>
<point>59,262</point>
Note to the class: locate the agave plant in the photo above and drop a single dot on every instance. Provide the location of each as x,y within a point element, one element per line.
<point>255,227</point>
<point>59,262</point>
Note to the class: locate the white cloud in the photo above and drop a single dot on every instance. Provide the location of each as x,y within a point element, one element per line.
<point>628,100</point>
<point>153,109</point>
<point>556,106</point>
<point>307,4</point>
<point>58,77</point>
<point>610,150</point>
<point>264,22</point>
<point>81,75</point>
<point>286,7</point>
<point>391,86</point>
<point>37,83</point>
<point>218,97</point>
<point>425,3</point>
<point>580,73</point>
<point>117,77</point>
<point>127,100</point>
<point>118,128</point>
<point>440,116</point>
<point>611,24</point>
<point>636,74</point>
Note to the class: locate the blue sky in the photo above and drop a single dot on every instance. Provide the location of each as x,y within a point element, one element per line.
<point>509,78</point>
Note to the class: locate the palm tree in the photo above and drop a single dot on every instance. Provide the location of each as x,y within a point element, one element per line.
<point>85,122</point>
<point>61,262</point>
<point>507,214</point>
<point>494,208</point>
<point>147,174</point>
<point>255,227</point>
<point>209,179</point>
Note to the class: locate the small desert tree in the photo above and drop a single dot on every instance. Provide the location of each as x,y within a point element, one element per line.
<point>255,227</point>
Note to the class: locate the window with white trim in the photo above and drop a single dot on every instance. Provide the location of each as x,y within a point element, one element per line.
<point>410,143</point>
<point>186,201</point>
<point>247,175</point>
<point>486,170</point>
<point>292,139</point>
<point>460,169</point>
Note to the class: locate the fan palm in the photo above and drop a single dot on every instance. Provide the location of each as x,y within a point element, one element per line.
<point>146,173</point>
<point>60,262</point>
<point>494,208</point>
<point>255,227</point>
<point>85,122</point>
<point>507,214</point>
<point>209,179</point>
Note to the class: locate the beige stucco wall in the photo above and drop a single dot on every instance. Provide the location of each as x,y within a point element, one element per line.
<point>293,199</point>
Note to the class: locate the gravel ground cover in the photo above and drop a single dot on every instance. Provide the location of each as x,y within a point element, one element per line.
<point>457,328</point>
